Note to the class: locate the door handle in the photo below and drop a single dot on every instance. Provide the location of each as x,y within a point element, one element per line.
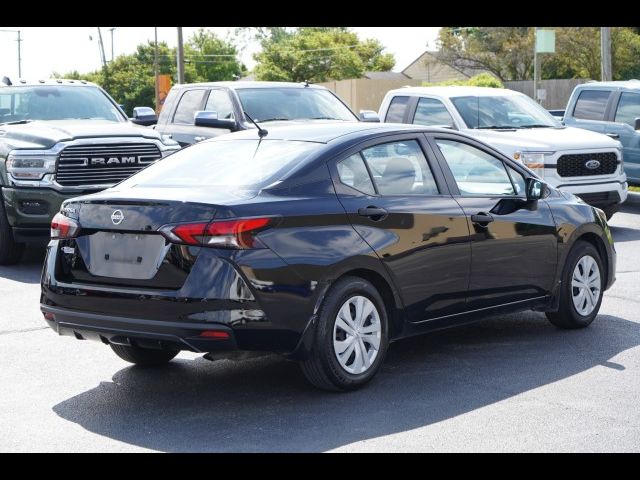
<point>612,135</point>
<point>482,219</point>
<point>199,139</point>
<point>375,213</point>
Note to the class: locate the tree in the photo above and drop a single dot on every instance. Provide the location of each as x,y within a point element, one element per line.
<point>317,54</point>
<point>507,52</point>
<point>129,79</point>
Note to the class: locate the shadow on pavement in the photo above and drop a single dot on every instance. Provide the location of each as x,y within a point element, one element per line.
<point>265,405</point>
<point>624,234</point>
<point>29,268</point>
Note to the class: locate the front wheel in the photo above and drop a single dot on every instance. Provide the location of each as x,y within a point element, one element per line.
<point>582,288</point>
<point>610,210</point>
<point>351,337</point>
<point>10,250</point>
<point>143,356</point>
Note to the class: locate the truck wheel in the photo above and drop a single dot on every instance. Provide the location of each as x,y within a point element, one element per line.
<point>143,356</point>
<point>10,250</point>
<point>610,210</point>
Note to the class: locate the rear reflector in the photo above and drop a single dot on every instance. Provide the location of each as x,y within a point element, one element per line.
<point>63,227</point>
<point>49,316</point>
<point>215,334</point>
<point>237,233</point>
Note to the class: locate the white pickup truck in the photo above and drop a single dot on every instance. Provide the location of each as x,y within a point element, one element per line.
<point>582,162</point>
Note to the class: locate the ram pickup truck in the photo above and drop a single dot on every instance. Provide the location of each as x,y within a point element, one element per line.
<point>581,162</point>
<point>61,139</point>
<point>612,108</point>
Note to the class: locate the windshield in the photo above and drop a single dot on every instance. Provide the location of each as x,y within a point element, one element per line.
<point>241,164</point>
<point>282,103</point>
<point>56,102</point>
<point>517,111</point>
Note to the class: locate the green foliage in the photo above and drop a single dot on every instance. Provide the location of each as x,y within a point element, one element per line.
<point>507,52</point>
<point>480,80</point>
<point>129,79</point>
<point>317,54</point>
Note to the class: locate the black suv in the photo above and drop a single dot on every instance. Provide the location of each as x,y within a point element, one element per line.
<point>197,111</point>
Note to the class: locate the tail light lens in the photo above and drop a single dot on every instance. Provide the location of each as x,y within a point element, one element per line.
<point>64,227</point>
<point>237,233</point>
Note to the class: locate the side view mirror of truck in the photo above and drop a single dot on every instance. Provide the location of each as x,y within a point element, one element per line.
<point>144,116</point>
<point>210,119</point>
<point>637,123</point>
<point>369,116</point>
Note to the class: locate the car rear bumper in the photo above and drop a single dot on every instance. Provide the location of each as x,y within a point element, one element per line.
<point>135,331</point>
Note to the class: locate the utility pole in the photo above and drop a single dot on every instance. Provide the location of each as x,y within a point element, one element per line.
<point>111,30</point>
<point>180,57</point>
<point>155,69</point>
<point>536,66</point>
<point>19,51</point>
<point>605,54</point>
<point>101,45</point>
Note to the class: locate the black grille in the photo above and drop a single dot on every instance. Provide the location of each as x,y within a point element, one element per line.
<point>575,165</point>
<point>105,164</point>
<point>600,198</point>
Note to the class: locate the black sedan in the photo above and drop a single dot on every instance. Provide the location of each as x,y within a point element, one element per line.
<point>323,243</point>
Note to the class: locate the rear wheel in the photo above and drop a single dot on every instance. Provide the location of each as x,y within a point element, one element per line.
<point>351,337</point>
<point>582,288</point>
<point>10,250</point>
<point>143,356</point>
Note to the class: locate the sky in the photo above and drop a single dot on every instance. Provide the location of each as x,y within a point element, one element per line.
<point>56,49</point>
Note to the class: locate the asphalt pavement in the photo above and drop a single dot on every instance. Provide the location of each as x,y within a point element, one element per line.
<point>510,383</point>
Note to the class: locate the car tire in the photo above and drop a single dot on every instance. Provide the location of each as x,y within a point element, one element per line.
<point>143,356</point>
<point>348,369</point>
<point>578,307</point>
<point>10,250</point>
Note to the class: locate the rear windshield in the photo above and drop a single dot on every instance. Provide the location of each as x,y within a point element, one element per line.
<point>241,164</point>
<point>286,103</point>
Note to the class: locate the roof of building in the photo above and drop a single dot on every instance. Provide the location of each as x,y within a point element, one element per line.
<point>385,75</point>
<point>466,70</point>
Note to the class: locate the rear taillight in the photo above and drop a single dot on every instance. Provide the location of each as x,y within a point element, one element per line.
<point>63,227</point>
<point>237,233</point>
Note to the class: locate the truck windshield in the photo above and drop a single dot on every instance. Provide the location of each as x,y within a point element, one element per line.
<point>56,102</point>
<point>282,103</point>
<point>503,112</point>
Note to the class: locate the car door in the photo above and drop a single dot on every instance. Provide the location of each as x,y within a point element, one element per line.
<point>626,111</point>
<point>513,241</point>
<point>181,124</point>
<point>401,207</point>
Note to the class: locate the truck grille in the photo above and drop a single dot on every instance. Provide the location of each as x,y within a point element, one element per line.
<point>575,165</point>
<point>104,164</point>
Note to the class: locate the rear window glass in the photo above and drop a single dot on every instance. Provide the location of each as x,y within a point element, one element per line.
<point>243,164</point>
<point>591,105</point>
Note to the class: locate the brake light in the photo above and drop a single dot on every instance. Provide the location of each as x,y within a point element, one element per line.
<point>63,227</point>
<point>237,233</point>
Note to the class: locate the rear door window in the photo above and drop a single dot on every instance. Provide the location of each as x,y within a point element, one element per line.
<point>397,109</point>
<point>591,104</point>
<point>628,108</point>
<point>190,103</point>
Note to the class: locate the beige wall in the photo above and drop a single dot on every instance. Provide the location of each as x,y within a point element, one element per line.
<point>431,70</point>
<point>364,93</point>
<point>558,91</point>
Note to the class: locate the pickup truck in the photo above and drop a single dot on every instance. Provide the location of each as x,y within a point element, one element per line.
<point>61,139</point>
<point>578,161</point>
<point>612,108</point>
<point>196,111</point>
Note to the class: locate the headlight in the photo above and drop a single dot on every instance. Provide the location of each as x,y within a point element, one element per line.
<point>30,167</point>
<point>532,160</point>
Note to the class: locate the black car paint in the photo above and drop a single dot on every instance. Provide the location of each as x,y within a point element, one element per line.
<point>421,256</point>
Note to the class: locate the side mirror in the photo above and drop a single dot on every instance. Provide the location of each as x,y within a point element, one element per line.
<point>536,189</point>
<point>210,119</point>
<point>637,123</point>
<point>144,116</point>
<point>369,116</point>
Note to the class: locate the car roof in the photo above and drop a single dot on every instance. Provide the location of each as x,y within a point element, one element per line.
<point>326,132</point>
<point>456,91</point>
<point>629,84</point>
<point>49,82</point>
<point>241,84</point>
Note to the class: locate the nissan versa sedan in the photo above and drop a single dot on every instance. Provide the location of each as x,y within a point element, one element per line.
<point>323,243</point>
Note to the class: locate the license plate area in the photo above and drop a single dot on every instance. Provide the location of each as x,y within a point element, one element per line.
<point>124,255</point>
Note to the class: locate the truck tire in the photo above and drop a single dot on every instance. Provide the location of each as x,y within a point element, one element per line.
<point>610,210</point>
<point>10,250</point>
